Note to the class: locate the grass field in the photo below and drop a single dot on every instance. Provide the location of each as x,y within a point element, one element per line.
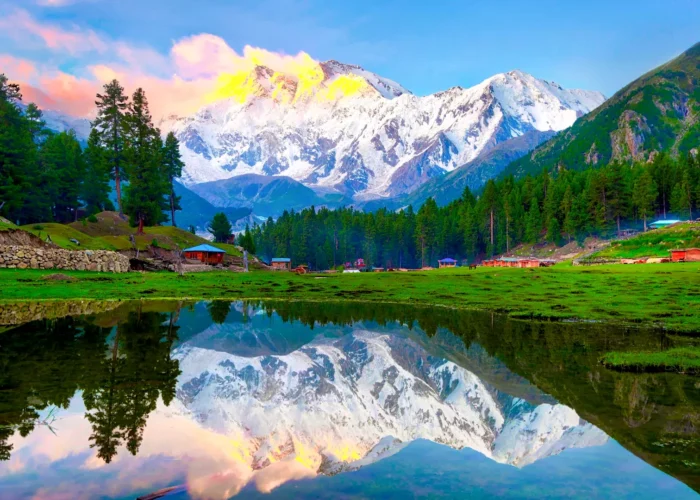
<point>656,243</point>
<point>664,295</point>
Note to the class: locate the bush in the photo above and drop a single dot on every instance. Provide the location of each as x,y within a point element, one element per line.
<point>154,243</point>
<point>92,219</point>
<point>340,268</point>
<point>84,221</point>
<point>38,227</point>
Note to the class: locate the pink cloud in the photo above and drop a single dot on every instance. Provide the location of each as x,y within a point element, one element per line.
<point>178,83</point>
<point>20,24</point>
<point>13,67</point>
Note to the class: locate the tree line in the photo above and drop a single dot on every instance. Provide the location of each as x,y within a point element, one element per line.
<point>48,176</point>
<point>557,207</point>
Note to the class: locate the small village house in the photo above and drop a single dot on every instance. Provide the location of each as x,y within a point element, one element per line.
<point>206,254</point>
<point>447,262</point>
<point>527,263</point>
<point>686,255</point>
<point>281,264</point>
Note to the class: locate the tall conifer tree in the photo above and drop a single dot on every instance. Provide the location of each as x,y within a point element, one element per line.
<point>110,122</point>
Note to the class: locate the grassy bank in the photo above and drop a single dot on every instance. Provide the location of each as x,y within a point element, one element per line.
<point>679,359</point>
<point>111,232</point>
<point>656,243</point>
<point>666,295</point>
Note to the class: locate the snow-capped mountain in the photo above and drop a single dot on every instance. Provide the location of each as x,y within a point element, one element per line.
<point>337,404</point>
<point>61,122</point>
<point>340,128</point>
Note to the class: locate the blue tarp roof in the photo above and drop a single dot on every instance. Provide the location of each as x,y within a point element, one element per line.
<point>281,259</point>
<point>448,260</point>
<point>205,248</point>
<point>664,222</point>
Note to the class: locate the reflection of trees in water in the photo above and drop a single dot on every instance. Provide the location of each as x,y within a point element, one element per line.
<point>44,363</point>
<point>218,310</point>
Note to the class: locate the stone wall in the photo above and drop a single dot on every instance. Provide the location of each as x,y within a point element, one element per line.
<point>26,257</point>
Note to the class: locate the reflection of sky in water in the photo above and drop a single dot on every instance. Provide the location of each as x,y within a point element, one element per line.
<point>210,457</point>
<point>176,451</point>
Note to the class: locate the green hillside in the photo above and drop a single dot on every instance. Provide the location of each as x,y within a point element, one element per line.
<point>657,112</point>
<point>110,232</point>
<point>656,243</point>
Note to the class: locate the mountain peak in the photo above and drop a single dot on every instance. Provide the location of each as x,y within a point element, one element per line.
<point>339,128</point>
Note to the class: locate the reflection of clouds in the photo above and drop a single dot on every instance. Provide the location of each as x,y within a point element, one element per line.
<point>279,473</point>
<point>175,450</point>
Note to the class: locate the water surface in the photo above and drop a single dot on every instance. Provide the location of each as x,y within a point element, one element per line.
<point>287,400</point>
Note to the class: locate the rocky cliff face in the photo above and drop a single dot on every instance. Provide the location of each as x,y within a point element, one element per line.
<point>338,404</point>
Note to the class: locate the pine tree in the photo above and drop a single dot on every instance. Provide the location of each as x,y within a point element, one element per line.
<point>17,154</point>
<point>425,228</point>
<point>37,125</point>
<point>679,199</point>
<point>489,198</point>
<point>173,164</point>
<point>95,186</point>
<point>62,162</point>
<point>553,231</point>
<point>220,227</point>
<point>533,227</point>
<point>246,240</point>
<point>645,193</point>
<point>148,182</point>
<point>9,92</point>
<point>110,123</point>
<point>618,196</point>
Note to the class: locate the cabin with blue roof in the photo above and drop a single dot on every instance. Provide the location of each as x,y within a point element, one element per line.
<point>281,264</point>
<point>447,262</point>
<point>206,254</point>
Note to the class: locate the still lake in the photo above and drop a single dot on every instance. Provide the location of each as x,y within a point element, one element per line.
<point>213,400</point>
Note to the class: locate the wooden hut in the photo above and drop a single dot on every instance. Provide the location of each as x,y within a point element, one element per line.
<point>447,262</point>
<point>525,263</point>
<point>686,255</point>
<point>508,262</point>
<point>206,254</point>
<point>281,264</point>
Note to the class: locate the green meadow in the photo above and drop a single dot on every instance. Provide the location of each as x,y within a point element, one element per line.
<point>663,295</point>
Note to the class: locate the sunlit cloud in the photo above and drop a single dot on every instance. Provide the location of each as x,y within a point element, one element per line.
<point>198,70</point>
<point>21,26</point>
<point>20,69</point>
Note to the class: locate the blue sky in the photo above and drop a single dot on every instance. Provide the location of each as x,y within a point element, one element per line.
<point>425,45</point>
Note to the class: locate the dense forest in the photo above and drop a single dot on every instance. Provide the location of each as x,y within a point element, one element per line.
<point>48,176</point>
<point>559,206</point>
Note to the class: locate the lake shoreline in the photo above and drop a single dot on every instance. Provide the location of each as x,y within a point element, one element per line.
<point>663,297</point>
<point>616,294</point>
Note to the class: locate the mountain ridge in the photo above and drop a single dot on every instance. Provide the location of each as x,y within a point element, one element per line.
<point>656,112</point>
<point>366,137</point>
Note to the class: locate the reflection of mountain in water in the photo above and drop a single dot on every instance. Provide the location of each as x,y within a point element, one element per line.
<point>339,403</point>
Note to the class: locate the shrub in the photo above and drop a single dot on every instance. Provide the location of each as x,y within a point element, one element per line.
<point>38,227</point>
<point>92,219</point>
<point>154,243</point>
